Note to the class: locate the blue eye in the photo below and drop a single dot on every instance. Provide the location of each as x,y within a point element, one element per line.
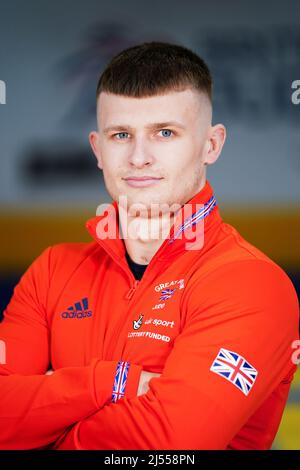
<point>166,132</point>
<point>122,135</point>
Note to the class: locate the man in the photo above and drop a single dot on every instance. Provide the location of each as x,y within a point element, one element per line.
<point>168,330</point>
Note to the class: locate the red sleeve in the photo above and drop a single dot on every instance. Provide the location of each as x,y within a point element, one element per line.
<point>36,408</point>
<point>246,307</point>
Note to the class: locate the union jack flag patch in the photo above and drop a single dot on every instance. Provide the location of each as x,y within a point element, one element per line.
<point>236,369</point>
<point>120,380</point>
<point>167,294</point>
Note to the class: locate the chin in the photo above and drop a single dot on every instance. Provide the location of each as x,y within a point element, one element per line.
<point>145,198</point>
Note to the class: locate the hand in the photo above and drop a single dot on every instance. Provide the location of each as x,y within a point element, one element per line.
<point>49,372</point>
<point>144,381</point>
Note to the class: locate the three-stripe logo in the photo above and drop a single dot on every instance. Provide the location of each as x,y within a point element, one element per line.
<point>78,310</point>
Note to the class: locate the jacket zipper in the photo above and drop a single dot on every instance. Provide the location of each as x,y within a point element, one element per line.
<point>128,296</point>
<point>132,290</point>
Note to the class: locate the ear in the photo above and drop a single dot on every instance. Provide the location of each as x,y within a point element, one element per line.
<point>214,143</point>
<point>94,142</point>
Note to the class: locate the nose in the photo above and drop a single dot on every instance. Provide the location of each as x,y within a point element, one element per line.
<point>140,153</point>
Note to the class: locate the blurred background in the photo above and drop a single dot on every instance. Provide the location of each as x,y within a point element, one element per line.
<point>51,55</point>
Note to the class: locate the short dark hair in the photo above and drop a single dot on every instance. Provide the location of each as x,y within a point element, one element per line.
<point>154,68</point>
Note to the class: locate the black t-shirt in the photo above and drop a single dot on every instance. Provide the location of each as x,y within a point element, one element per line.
<point>137,269</point>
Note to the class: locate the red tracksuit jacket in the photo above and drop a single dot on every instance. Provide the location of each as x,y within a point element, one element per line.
<point>217,322</point>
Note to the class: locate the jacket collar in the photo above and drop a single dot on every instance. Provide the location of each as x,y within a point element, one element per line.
<point>192,229</point>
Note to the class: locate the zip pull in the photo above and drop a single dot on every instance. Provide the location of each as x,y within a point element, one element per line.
<point>132,290</point>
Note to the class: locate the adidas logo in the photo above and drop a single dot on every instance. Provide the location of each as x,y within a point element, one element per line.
<point>78,310</point>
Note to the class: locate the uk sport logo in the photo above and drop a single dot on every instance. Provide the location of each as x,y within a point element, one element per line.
<point>233,367</point>
<point>78,310</point>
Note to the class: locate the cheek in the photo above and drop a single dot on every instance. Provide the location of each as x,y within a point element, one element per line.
<point>112,173</point>
<point>111,161</point>
<point>112,153</point>
<point>180,158</point>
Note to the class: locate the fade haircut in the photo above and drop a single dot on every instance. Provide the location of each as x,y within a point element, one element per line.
<point>155,68</point>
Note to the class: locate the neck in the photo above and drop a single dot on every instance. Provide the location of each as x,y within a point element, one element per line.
<point>144,236</point>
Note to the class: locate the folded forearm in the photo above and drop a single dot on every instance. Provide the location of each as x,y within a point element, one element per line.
<point>36,409</point>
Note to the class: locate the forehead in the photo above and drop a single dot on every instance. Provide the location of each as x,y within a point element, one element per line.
<point>180,105</point>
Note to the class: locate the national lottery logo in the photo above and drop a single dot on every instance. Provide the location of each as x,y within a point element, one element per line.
<point>138,323</point>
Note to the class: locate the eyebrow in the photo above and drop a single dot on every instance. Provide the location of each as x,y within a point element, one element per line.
<point>153,125</point>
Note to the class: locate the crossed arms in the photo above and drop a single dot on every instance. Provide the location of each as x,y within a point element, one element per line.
<point>186,407</point>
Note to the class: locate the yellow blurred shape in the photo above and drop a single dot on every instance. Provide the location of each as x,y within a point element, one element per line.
<point>25,233</point>
<point>296,379</point>
<point>288,436</point>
